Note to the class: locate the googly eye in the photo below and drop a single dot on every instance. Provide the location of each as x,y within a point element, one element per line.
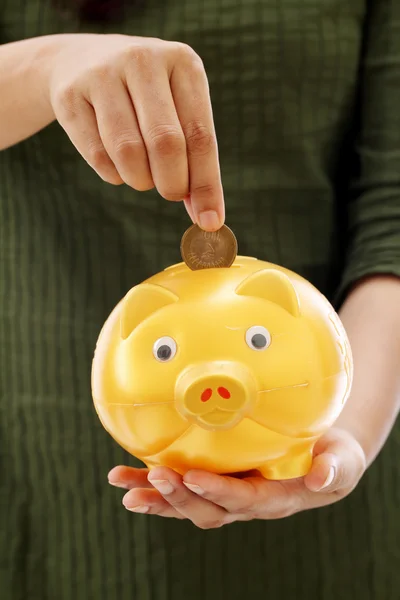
<point>258,338</point>
<point>164,349</point>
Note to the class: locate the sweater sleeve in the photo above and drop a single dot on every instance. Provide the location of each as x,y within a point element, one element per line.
<point>373,209</point>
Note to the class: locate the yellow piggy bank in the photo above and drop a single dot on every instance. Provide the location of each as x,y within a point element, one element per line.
<point>225,370</point>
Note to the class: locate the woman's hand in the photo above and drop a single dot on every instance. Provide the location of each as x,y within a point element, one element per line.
<point>138,110</point>
<point>210,501</point>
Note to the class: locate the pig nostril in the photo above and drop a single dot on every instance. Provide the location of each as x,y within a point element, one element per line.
<point>224,393</point>
<point>206,395</point>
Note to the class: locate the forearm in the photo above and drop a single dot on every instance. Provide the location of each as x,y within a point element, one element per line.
<point>24,71</point>
<point>371,316</point>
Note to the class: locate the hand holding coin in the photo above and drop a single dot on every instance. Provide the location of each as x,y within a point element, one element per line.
<point>208,249</point>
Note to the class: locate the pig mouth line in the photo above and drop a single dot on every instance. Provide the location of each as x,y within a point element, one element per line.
<point>219,417</point>
<point>218,410</point>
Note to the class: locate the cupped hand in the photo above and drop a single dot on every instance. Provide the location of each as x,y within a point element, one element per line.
<point>211,501</point>
<point>138,110</point>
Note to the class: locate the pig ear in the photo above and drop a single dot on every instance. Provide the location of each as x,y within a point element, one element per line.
<point>140,302</point>
<point>271,285</point>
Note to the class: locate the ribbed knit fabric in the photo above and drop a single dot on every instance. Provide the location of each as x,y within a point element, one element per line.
<point>309,185</point>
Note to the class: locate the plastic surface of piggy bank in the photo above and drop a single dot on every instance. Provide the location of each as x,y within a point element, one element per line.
<point>225,370</point>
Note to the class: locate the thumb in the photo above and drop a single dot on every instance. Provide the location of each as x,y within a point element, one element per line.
<point>338,465</point>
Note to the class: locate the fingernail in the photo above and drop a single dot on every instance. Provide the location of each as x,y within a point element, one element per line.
<point>138,509</point>
<point>209,220</point>
<point>329,479</point>
<point>118,484</point>
<point>163,486</point>
<point>194,488</point>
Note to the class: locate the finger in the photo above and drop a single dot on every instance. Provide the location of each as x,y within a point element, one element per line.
<point>202,513</point>
<point>234,495</point>
<point>323,473</point>
<point>339,462</point>
<point>192,100</point>
<point>128,477</point>
<point>161,130</point>
<point>77,117</point>
<point>149,502</point>
<point>189,208</point>
<point>120,133</point>
<point>248,497</point>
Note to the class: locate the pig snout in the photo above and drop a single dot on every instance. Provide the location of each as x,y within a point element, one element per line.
<point>215,395</point>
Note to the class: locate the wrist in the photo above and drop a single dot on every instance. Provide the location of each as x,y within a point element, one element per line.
<point>26,68</point>
<point>43,65</point>
<point>371,317</point>
<point>370,441</point>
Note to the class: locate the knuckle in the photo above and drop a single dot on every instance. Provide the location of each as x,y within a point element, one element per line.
<point>101,72</point>
<point>98,157</point>
<point>250,510</point>
<point>67,98</point>
<point>204,191</point>
<point>179,503</point>
<point>130,156</point>
<point>189,55</point>
<point>172,195</point>
<point>165,140</point>
<point>138,55</point>
<point>127,149</point>
<point>344,486</point>
<point>342,493</point>
<point>199,139</point>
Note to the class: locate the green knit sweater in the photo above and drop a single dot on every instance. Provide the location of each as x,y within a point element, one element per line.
<point>306,98</point>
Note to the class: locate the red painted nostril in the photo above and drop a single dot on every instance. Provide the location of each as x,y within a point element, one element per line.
<point>206,395</point>
<point>224,393</point>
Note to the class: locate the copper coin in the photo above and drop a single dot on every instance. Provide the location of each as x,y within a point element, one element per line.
<point>208,249</point>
